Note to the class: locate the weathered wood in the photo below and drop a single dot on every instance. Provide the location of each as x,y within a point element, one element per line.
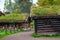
<point>13,25</point>
<point>47,24</point>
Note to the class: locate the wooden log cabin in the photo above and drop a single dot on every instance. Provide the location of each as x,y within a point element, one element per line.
<point>14,22</point>
<point>47,25</point>
<point>13,25</point>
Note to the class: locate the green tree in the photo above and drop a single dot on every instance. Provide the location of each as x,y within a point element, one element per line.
<point>48,2</point>
<point>24,5</point>
<point>44,2</point>
<point>16,11</point>
<point>8,5</point>
<point>57,2</point>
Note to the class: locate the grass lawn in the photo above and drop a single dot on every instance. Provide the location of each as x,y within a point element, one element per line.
<point>6,33</point>
<point>45,36</point>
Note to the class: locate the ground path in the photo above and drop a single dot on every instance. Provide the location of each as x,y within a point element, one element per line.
<point>26,36</point>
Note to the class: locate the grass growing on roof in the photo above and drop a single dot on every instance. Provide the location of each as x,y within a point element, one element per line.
<point>46,11</point>
<point>14,17</point>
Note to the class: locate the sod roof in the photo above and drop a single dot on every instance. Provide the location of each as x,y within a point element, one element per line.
<point>13,17</point>
<point>46,11</point>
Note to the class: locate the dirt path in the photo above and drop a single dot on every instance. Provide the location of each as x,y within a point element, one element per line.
<point>26,36</point>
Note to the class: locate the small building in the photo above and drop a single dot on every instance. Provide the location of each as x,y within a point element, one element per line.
<point>13,25</point>
<point>47,25</point>
<point>14,21</point>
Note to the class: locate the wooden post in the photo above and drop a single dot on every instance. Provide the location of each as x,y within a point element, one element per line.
<point>6,29</point>
<point>35,26</point>
<point>10,27</point>
<point>16,26</point>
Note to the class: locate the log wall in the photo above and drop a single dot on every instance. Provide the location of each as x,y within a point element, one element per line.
<point>12,26</point>
<point>47,25</point>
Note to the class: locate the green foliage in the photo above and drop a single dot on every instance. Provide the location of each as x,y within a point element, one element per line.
<point>14,17</point>
<point>40,11</point>
<point>47,7</point>
<point>6,33</point>
<point>32,24</point>
<point>24,5</point>
<point>45,36</point>
<point>56,2</point>
<point>45,2</point>
<point>8,5</point>
<point>48,2</point>
<point>16,11</point>
<point>46,11</point>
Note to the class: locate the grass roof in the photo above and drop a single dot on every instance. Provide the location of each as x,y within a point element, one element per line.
<point>14,17</point>
<point>46,11</point>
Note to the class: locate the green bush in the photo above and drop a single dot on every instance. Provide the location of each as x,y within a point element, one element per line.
<point>32,24</point>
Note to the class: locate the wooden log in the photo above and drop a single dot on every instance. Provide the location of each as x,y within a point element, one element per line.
<point>46,25</point>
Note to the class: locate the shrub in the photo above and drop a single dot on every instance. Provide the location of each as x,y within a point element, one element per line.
<point>32,25</point>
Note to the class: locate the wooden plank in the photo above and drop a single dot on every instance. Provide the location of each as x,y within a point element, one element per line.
<point>46,31</point>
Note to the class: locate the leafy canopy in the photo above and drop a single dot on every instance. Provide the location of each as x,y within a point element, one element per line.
<point>46,11</point>
<point>47,8</point>
<point>48,2</point>
<point>17,11</point>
